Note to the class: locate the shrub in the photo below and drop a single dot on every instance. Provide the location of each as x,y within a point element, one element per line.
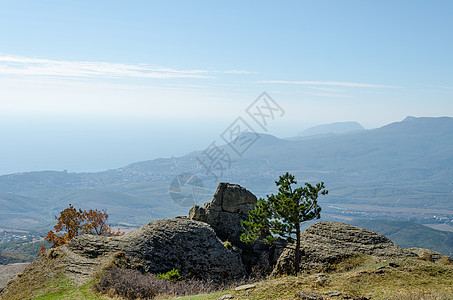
<point>172,275</point>
<point>227,244</point>
<point>132,284</point>
<point>73,222</point>
<point>126,283</point>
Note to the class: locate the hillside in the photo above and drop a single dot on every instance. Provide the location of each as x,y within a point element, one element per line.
<point>339,260</point>
<point>398,171</point>
<point>408,234</point>
<point>202,253</point>
<point>360,277</point>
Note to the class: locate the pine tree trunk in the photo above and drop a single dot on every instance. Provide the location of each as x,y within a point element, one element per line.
<point>297,258</point>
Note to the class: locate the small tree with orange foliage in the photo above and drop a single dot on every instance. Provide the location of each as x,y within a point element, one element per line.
<point>73,222</point>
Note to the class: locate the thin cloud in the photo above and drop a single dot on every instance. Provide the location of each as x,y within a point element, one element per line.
<point>331,83</point>
<point>329,89</point>
<point>329,95</point>
<point>26,66</point>
<point>237,72</point>
<point>443,87</point>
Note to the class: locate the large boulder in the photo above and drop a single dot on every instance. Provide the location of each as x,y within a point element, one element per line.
<point>187,245</point>
<point>230,205</point>
<point>325,243</point>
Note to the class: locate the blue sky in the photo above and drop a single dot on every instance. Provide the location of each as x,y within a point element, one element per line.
<point>187,69</point>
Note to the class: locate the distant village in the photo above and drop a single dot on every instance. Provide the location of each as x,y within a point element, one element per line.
<point>7,235</point>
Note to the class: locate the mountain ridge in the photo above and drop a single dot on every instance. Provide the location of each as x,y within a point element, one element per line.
<point>336,128</point>
<point>399,164</point>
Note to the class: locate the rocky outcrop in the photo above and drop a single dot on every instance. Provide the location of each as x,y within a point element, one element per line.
<point>187,245</point>
<point>230,205</point>
<point>325,243</point>
<point>429,255</point>
<point>195,247</point>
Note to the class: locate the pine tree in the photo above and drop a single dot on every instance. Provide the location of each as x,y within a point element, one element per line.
<point>281,215</point>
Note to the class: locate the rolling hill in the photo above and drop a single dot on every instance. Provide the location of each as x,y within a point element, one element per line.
<point>401,171</point>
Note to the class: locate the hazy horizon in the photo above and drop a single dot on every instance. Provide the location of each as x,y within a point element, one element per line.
<point>89,86</point>
<point>99,145</point>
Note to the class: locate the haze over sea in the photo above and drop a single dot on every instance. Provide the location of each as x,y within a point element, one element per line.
<point>89,86</point>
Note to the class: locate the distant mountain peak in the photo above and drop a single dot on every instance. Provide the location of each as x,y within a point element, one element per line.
<point>409,118</point>
<point>333,129</point>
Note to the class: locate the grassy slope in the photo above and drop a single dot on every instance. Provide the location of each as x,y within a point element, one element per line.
<point>357,276</point>
<point>43,284</point>
<point>413,279</point>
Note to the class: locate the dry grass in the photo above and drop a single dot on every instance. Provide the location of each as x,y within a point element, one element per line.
<point>373,279</point>
<point>357,276</point>
<point>132,284</point>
